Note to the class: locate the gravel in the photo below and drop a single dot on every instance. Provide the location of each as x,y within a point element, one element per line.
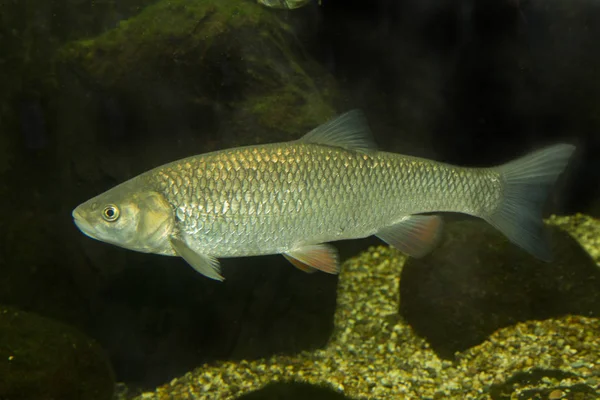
<point>373,354</point>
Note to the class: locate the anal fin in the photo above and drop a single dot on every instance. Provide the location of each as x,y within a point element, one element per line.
<point>415,235</point>
<point>323,257</point>
<point>300,265</point>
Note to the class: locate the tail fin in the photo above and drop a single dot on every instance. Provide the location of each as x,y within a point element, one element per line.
<point>527,183</point>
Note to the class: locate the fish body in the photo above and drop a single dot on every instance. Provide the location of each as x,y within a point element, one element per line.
<point>292,198</point>
<point>284,4</point>
<point>269,199</point>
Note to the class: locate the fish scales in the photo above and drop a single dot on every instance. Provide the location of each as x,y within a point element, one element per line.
<point>271,198</point>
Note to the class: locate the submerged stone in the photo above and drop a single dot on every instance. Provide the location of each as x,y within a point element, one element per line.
<point>44,359</point>
<point>225,71</point>
<point>477,282</point>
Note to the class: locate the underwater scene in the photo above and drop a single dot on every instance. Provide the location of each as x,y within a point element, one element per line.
<point>299,199</point>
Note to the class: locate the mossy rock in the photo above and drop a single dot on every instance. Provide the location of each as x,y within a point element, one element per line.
<point>232,71</point>
<point>31,33</point>
<point>477,282</point>
<point>43,359</point>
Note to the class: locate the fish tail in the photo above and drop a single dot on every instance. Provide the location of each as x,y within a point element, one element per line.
<point>527,184</point>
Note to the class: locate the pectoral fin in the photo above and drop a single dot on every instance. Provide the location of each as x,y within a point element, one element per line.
<point>415,235</point>
<point>206,265</point>
<point>323,257</point>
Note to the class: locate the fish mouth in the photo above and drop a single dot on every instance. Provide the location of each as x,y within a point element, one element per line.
<point>82,224</point>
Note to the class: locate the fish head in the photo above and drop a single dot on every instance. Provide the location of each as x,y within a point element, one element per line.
<point>139,220</point>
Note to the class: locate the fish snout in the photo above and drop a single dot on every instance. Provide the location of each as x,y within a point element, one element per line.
<point>76,214</point>
<point>81,223</point>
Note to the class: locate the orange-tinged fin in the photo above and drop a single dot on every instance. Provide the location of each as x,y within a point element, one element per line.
<point>415,235</point>
<point>300,265</point>
<point>323,257</point>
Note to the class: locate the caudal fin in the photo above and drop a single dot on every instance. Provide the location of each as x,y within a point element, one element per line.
<point>527,183</point>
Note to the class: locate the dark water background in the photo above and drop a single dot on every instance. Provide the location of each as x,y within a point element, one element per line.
<point>466,82</point>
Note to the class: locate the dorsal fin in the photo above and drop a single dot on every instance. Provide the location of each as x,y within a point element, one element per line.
<point>349,131</point>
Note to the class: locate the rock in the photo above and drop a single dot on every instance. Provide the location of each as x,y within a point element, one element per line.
<point>211,74</point>
<point>477,282</point>
<point>43,359</point>
<point>30,34</point>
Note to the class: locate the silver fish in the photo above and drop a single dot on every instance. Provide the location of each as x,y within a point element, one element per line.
<point>284,4</point>
<point>291,198</point>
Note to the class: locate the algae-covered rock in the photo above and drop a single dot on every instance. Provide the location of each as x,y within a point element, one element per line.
<point>477,282</point>
<point>32,31</point>
<point>231,69</point>
<point>44,359</point>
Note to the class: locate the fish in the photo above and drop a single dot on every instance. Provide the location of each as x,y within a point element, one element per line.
<point>293,198</point>
<point>284,4</point>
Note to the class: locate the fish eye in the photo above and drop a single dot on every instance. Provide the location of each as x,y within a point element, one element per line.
<point>110,213</point>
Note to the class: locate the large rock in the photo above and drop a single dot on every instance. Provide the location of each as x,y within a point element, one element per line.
<point>43,359</point>
<point>207,74</point>
<point>31,32</point>
<point>477,282</point>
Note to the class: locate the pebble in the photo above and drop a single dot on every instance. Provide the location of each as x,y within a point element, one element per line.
<point>555,395</point>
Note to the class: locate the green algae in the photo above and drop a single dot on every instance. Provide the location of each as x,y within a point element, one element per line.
<point>273,110</point>
<point>235,57</point>
<point>177,25</point>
